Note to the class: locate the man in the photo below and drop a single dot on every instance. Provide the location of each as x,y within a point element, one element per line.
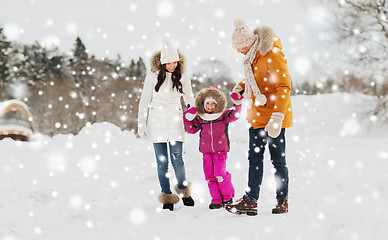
<point>267,89</point>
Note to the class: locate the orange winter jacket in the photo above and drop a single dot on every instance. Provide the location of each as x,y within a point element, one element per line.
<point>272,77</point>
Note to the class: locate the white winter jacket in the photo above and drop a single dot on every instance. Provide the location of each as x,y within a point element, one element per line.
<point>161,112</point>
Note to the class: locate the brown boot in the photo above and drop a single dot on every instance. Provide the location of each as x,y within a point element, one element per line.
<point>281,207</point>
<point>242,206</point>
<point>185,193</point>
<point>168,200</point>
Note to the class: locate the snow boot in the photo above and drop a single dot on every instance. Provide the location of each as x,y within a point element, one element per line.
<point>281,207</point>
<point>230,201</point>
<point>242,206</point>
<point>168,200</point>
<point>189,201</point>
<point>185,194</point>
<point>215,206</point>
<point>168,206</point>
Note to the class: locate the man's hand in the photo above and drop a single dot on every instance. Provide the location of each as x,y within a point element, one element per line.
<point>274,125</point>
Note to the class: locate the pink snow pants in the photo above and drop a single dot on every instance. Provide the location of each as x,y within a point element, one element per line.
<point>218,179</point>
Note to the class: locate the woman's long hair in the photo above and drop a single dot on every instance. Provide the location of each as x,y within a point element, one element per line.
<point>175,77</point>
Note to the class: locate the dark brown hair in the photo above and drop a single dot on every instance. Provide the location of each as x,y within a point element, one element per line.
<point>175,77</point>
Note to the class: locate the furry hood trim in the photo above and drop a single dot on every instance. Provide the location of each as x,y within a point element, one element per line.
<point>266,39</point>
<point>156,65</point>
<point>210,92</point>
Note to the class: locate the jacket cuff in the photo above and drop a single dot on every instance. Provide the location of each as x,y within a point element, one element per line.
<point>278,116</point>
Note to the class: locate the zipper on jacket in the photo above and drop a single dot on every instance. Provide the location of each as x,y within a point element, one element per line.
<point>211,135</point>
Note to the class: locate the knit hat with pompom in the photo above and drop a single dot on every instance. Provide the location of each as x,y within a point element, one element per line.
<point>168,53</point>
<point>242,35</point>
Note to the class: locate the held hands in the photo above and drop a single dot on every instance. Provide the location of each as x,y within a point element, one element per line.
<point>190,113</point>
<point>236,95</point>
<point>274,125</point>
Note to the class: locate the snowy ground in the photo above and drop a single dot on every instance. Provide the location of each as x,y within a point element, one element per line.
<point>102,183</point>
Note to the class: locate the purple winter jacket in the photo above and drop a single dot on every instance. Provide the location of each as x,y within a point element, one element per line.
<point>214,133</point>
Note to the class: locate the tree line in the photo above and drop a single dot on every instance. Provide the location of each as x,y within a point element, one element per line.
<point>66,92</point>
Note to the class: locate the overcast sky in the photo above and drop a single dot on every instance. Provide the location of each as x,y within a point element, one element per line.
<point>201,29</point>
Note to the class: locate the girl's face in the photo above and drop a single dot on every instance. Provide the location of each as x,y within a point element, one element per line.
<point>171,66</point>
<point>210,106</point>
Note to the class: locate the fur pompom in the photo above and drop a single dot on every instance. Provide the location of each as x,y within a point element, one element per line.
<point>238,24</point>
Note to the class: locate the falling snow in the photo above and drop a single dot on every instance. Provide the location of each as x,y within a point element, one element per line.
<point>102,183</point>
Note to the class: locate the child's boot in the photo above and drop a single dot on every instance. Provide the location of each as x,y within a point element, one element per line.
<point>215,206</point>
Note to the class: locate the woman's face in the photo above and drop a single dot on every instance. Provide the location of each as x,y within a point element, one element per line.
<point>171,66</point>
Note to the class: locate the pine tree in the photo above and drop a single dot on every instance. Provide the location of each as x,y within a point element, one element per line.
<point>80,50</point>
<point>55,65</point>
<point>132,69</point>
<point>140,68</point>
<point>4,69</point>
<point>33,67</point>
<point>84,82</point>
<point>78,63</point>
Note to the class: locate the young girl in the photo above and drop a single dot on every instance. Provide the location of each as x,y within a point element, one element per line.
<point>212,119</point>
<point>160,120</point>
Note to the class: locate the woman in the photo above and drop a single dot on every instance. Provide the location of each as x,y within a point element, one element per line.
<point>160,120</point>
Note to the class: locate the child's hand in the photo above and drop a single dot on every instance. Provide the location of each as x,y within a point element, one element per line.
<point>236,95</point>
<point>190,113</point>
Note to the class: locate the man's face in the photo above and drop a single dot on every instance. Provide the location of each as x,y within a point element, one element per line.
<point>244,50</point>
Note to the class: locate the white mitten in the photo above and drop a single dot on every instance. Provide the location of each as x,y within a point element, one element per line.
<point>274,125</point>
<point>142,130</point>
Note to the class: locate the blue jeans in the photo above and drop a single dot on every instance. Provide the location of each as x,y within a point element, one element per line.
<point>258,138</point>
<point>161,153</point>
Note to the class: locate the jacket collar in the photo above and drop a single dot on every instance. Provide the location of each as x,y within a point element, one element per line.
<point>210,116</point>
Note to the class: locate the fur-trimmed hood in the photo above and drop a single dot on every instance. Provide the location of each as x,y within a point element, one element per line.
<point>216,94</point>
<point>266,39</point>
<point>156,65</point>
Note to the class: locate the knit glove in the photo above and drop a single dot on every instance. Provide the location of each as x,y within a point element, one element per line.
<point>236,94</point>
<point>274,125</point>
<point>190,113</point>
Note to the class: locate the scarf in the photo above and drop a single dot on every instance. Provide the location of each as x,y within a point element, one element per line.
<point>250,81</point>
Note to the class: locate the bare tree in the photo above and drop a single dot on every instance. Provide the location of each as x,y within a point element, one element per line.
<point>362,30</point>
<point>362,26</point>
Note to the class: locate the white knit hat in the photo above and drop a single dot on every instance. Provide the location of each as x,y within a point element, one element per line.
<point>242,35</point>
<point>208,99</point>
<point>168,53</point>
